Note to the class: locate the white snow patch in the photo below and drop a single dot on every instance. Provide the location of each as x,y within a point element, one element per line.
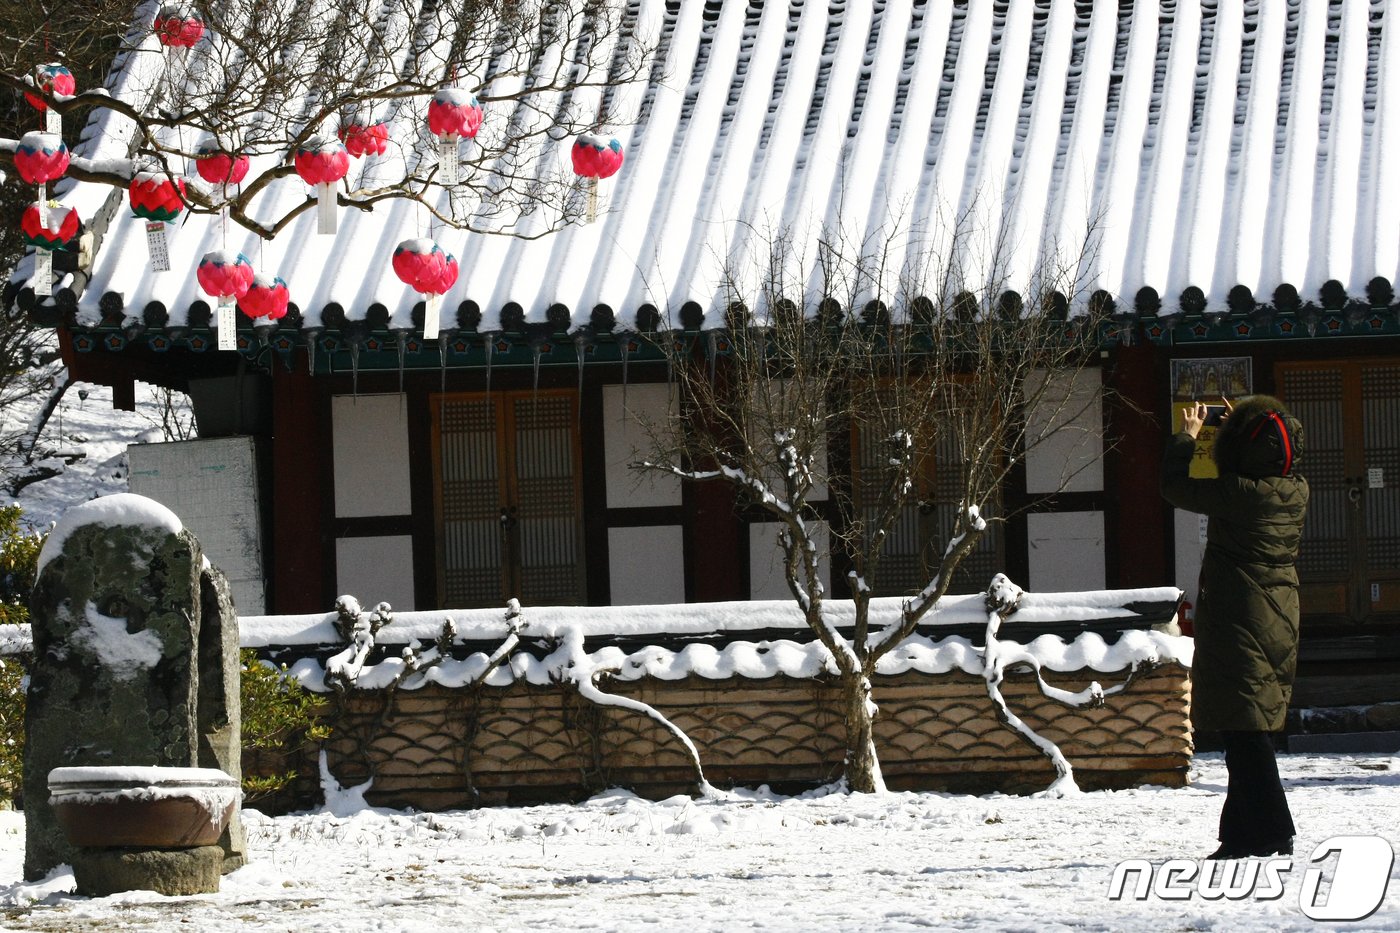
<point>111,511</point>
<point>122,652</point>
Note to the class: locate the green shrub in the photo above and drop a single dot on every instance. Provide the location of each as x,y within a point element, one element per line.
<point>279,718</point>
<point>19,554</point>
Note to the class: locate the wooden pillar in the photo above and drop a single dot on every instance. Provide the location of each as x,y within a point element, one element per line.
<point>1137,520</point>
<point>713,557</point>
<point>301,481</point>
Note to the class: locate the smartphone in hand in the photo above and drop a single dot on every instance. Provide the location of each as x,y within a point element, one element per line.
<point>1214,415</point>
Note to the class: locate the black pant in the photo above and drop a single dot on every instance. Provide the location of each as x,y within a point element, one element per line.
<point>1255,818</point>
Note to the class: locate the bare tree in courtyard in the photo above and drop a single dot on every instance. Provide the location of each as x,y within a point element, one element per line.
<point>873,384</point>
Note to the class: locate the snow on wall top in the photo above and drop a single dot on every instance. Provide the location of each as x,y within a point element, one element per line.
<point>693,618</point>
<point>1212,143</point>
<point>620,632</point>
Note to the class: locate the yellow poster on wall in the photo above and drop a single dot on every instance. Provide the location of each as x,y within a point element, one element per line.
<point>1211,381</point>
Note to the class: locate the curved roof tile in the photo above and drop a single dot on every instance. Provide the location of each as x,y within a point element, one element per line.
<point>1122,146</point>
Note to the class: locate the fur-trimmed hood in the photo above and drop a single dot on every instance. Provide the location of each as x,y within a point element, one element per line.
<point>1260,438</point>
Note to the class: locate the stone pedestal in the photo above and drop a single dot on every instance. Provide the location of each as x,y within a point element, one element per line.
<point>100,872</point>
<point>135,660</point>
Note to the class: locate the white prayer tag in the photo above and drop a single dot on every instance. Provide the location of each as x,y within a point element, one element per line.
<point>53,122</point>
<point>447,161</point>
<point>228,325</point>
<point>155,244</point>
<point>1204,526</point>
<point>43,272</point>
<point>325,208</point>
<point>1375,478</point>
<point>43,206</point>
<point>432,316</point>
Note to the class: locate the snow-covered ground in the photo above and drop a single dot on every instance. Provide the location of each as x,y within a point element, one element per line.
<point>886,862</point>
<point>83,423</point>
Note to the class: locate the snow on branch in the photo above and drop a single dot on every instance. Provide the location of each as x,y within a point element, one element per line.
<point>756,487</point>
<point>1003,599</point>
<point>574,665</point>
<point>350,668</point>
<point>917,606</point>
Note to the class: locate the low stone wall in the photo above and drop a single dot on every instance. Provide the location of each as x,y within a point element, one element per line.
<point>435,748</point>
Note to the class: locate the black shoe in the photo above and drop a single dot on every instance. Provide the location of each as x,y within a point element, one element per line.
<point>1266,850</point>
<point>1227,853</point>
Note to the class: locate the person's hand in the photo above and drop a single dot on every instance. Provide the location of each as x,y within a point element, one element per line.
<point>1225,415</point>
<point>1193,418</point>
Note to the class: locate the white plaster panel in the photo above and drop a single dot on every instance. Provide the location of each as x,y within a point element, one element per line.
<point>212,485</point>
<point>625,441</point>
<point>766,579</point>
<point>1066,551</point>
<point>1189,531</point>
<point>1065,435</point>
<point>646,565</point>
<point>369,443</point>
<point>375,570</point>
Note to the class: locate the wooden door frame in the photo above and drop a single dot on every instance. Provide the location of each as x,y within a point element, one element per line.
<point>502,402</point>
<point>1357,609</point>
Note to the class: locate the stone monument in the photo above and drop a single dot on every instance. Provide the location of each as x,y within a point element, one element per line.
<point>135,662</point>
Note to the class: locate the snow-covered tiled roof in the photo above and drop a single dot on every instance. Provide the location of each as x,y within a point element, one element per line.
<point>1207,143</point>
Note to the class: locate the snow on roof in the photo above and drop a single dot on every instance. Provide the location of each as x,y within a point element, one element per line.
<point>124,508</point>
<point>759,660</point>
<point>1213,143</point>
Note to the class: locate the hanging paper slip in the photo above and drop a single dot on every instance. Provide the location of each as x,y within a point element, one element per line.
<point>43,272</point>
<point>447,161</point>
<point>155,244</point>
<point>228,324</point>
<point>432,316</point>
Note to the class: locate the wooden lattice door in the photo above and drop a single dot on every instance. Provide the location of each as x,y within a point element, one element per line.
<point>509,522</point>
<point>916,540</point>
<point>1349,564</point>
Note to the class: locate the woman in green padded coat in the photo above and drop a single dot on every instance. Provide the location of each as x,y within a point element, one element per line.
<point>1247,608</point>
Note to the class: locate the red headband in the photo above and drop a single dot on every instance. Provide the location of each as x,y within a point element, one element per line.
<point>1274,419</point>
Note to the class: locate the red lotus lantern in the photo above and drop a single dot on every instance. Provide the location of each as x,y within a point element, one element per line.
<point>54,231</point>
<point>267,296</point>
<point>156,196</point>
<point>224,274</point>
<point>361,139</point>
<point>321,162</point>
<point>158,199</point>
<point>177,27</point>
<point>219,167</point>
<point>453,115</point>
<point>52,78</point>
<point>424,267</point>
<point>41,157</point>
<point>47,228</point>
<point>595,156</point>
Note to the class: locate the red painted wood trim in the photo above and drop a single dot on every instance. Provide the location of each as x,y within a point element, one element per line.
<point>301,479</point>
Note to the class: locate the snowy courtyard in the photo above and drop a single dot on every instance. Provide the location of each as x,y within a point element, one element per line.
<point>897,861</point>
